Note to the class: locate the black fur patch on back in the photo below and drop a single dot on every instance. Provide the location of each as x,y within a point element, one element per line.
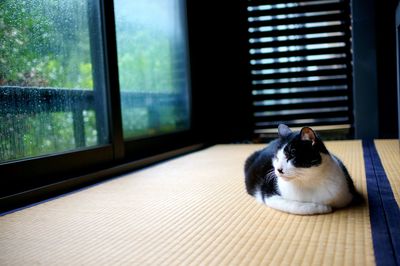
<point>357,197</point>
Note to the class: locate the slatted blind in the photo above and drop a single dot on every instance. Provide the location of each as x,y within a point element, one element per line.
<point>300,63</point>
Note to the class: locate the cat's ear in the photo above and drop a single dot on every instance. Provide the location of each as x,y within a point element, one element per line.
<point>308,134</point>
<point>284,130</point>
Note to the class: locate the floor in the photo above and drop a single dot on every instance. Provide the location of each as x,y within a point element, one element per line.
<point>194,210</point>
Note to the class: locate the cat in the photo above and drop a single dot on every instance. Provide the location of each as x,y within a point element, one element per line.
<point>296,174</point>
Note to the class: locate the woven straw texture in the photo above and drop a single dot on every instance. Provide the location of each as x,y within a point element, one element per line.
<point>192,210</point>
<point>389,153</point>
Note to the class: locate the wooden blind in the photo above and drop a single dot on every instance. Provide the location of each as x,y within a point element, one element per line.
<point>300,63</point>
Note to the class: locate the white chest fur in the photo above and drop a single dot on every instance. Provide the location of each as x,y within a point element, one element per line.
<point>325,183</point>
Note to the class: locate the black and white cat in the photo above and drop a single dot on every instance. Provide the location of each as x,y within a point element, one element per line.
<point>296,174</point>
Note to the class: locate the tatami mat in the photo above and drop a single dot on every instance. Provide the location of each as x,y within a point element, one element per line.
<point>389,152</point>
<point>192,210</point>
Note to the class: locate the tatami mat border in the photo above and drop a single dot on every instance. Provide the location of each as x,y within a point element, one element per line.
<point>384,211</point>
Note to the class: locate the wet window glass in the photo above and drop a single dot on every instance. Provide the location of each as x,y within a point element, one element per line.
<point>51,87</point>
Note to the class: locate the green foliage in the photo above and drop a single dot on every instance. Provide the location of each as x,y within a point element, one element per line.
<point>144,60</point>
<point>46,43</point>
<point>147,62</point>
<point>43,43</point>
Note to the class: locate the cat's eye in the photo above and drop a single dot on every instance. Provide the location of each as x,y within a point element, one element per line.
<point>293,152</point>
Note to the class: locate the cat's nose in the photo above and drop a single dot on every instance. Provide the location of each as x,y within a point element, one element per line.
<point>280,170</point>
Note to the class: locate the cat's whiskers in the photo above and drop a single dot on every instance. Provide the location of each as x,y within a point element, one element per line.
<point>270,174</point>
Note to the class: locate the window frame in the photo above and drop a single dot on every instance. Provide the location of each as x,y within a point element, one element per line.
<point>32,179</point>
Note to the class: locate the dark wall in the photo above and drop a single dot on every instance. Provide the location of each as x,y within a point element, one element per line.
<point>365,89</point>
<point>386,67</point>
<point>374,68</point>
<point>217,39</point>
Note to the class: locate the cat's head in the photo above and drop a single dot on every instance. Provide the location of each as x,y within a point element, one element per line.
<point>298,152</point>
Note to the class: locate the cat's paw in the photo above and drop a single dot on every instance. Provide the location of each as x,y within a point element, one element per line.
<point>313,208</point>
<point>296,207</point>
<point>320,208</point>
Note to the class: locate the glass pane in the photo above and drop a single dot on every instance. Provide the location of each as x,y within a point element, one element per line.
<point>153,66</point>
<point>51,87</point>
